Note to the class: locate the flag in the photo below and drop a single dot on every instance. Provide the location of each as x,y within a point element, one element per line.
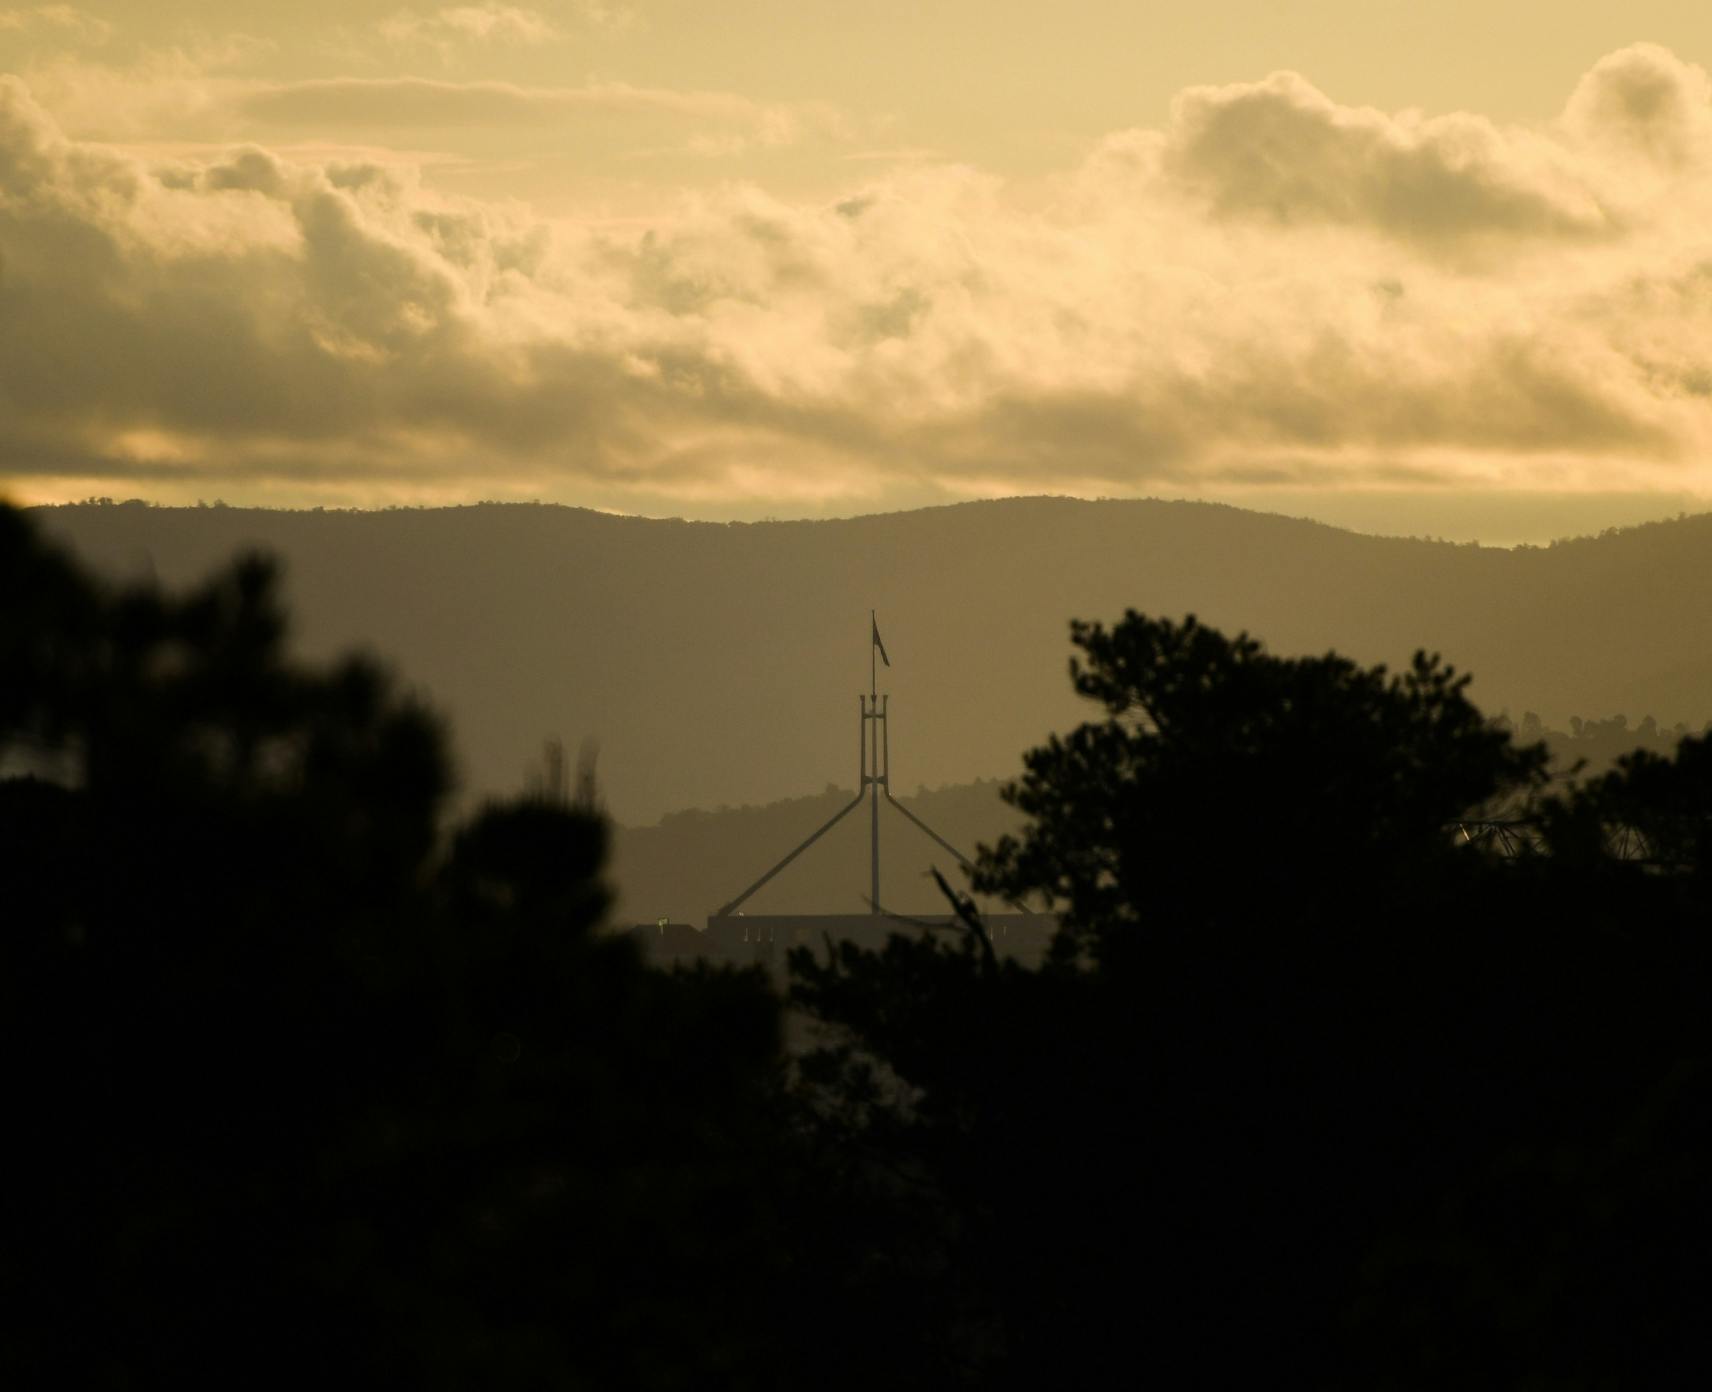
<point>877,643</point>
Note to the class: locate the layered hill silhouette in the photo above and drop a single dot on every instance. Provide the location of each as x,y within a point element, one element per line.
<point>718,664</point>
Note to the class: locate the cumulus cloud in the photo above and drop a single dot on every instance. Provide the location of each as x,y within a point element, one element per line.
<point>1282,151</point>
<point>1644,101</point>
<point>1273,290</point>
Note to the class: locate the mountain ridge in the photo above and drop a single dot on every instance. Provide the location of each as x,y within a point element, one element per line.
<point>715,661</point>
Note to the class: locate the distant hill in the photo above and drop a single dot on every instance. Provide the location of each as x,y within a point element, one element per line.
<point>691,863</point>
<point>719,664</point>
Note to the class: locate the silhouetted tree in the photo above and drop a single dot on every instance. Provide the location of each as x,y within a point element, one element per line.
<point>1315,776</point>
<point>299,1087</point>
<point>1308,1093</point>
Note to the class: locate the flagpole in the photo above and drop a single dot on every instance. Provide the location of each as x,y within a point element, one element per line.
<point>874,766</point>
<point>873,677</point>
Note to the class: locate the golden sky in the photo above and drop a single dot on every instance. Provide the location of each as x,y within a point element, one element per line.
<point>1387,263</point>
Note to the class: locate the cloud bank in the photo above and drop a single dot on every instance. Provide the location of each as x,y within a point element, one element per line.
<point>1272,290</point>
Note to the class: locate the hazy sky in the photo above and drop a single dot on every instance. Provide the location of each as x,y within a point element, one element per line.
<point>1440,267</point>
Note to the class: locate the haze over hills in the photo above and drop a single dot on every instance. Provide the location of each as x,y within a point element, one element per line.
<point>719,663</point>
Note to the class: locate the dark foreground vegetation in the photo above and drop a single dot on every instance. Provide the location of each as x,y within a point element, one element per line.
<point>303,1083</point>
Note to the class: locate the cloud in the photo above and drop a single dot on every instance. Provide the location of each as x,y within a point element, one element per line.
<point>1281,151</point>
<point>1644,101</point>
<point>181,91</point>
<point>1272,290</point>
<point>457,25</point>
<point>62,21</point>
<point>201,95</point>
<point>413,101</point>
